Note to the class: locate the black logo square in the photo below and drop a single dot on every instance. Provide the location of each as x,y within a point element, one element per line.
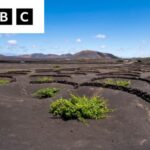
<point>5,16</point>
<point>24,16</point>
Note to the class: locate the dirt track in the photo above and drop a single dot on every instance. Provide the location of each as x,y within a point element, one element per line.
<point>25,123</point>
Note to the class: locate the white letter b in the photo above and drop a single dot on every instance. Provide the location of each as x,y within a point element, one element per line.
<point>3,17</point>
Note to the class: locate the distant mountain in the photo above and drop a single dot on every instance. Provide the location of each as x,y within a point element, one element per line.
<point>86,54</point>
<point>38,56</point>
<point>1,56</point>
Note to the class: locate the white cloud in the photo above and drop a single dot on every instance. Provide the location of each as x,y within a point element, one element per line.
<point>78,40</point>
<point>103,46</point>
<point>121,49</point>
<point>12,42</point>
<point>56,47</point>
<point>34,46</point>
<point>101,36</point>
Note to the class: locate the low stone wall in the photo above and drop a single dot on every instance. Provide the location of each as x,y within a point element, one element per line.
<point>51,75</point>
<point>12,79</point>
<point>123,77</point>
<point>119,73</point>
<point>57,81</point>
<point>145,96</point>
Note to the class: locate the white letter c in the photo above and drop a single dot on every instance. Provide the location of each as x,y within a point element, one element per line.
<point>21,17</point>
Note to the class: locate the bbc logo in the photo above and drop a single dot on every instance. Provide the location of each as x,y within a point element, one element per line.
<point>23,16</point>
<point>26,16</point>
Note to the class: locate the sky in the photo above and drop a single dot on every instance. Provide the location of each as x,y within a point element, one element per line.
<point>120,27</point>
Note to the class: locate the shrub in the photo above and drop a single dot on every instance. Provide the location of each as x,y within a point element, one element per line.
<point>45,92</point>
<point>4,81</point>
<point>45,79</point>
<point>56,66</point>
<point>118,82</point>
<point>80,108</point>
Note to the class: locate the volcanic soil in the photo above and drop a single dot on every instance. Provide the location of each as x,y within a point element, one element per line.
<point>25,122</point>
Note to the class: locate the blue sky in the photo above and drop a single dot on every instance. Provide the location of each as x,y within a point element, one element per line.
<point>120,27</point>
